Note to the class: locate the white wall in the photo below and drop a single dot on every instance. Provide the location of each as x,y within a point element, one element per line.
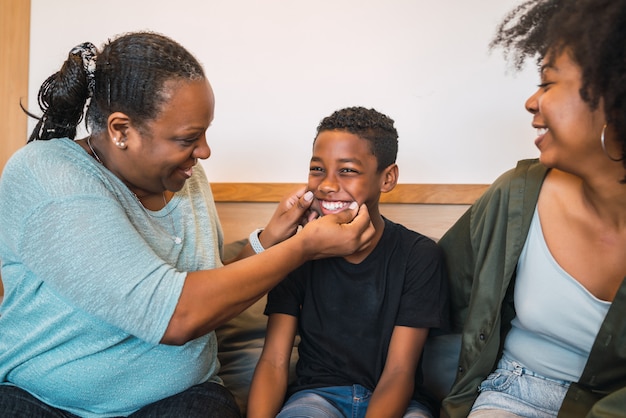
<point>279,66</point>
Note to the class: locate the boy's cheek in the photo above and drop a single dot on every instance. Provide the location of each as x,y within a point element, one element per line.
<point>315,207</point>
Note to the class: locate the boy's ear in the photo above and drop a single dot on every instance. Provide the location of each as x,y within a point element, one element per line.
<point>389,178</point>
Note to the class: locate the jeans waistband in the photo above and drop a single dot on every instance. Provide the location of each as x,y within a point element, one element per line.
<point>518,368</point>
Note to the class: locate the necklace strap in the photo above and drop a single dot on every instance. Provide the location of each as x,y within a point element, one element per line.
<point>93,151</point>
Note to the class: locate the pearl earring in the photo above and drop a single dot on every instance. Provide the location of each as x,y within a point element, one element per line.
<point>120,144</point>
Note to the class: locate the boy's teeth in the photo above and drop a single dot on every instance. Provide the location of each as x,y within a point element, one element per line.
<point>333,205</point>
<point>541,131</point>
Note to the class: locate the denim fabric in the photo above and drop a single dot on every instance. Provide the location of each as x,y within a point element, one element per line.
<point>338,402</point>
<point>515,389</point>
<point>17,403</point>
<point>206,400</point>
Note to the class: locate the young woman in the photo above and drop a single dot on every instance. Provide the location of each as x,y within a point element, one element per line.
<point>537,264</point>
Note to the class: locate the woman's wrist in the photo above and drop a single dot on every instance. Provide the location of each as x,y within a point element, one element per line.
<point>255,242</point>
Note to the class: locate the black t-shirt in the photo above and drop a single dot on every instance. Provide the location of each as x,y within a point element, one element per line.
<point>346,312</point>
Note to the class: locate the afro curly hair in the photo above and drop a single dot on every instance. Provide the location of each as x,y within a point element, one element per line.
<point>367,124</point>
<point>593,32</point>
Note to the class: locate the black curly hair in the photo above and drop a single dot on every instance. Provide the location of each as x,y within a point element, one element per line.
<point>130,76</point>
<point>367,124</point>
<point>592,31</point>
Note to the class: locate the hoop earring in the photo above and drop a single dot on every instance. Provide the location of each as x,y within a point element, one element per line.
<point>604,147</point>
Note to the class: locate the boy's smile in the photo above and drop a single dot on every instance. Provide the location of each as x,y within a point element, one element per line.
<point>343,169</point>
<point>332,207</point>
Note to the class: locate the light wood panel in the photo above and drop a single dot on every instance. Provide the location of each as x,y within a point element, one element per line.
<point>239,219</point>
<point>403,193</point>
<point>14,50</point>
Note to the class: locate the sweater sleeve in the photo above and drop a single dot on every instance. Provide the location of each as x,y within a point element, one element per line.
<point>87,250</point>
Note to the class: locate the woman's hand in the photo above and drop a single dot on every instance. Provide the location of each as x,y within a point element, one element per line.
<point>292,212</point>
<point>339,234</point>
<point>211,297</point>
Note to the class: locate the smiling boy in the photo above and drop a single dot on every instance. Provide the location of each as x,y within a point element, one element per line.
<point>363,319</point>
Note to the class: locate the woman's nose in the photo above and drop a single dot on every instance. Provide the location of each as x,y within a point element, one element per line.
<point>202,150</point>
<point>531,103</point>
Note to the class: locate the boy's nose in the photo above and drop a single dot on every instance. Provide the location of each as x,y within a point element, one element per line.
<point>328,185</point>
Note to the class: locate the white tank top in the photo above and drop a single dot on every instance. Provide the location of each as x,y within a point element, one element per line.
<point>557,317</point>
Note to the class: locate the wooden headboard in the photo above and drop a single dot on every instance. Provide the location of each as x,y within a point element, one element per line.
<point>450,194</point>
<point>427,208</point>
<point>240,218</point>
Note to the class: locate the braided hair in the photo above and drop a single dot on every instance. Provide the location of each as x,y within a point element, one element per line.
<point>129,75</point>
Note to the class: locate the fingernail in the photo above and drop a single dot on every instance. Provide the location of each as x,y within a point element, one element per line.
<point>308,196</point>
<point>353,205</point>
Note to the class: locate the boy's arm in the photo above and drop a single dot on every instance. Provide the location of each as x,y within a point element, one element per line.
<point>269,383</point>
<point>395,387</point>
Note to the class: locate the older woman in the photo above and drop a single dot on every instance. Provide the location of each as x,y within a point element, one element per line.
<point>111,246</point>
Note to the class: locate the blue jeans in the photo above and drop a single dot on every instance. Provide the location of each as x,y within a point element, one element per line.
<point>338,402</point>
<point>515,389</point>
<point>204,400</point>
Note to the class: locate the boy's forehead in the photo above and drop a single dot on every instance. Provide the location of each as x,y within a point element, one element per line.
<point>338,134</point>
<point>342,144</point>
<point>337,138</point>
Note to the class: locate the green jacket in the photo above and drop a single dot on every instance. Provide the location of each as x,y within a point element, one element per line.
<point>482,250</point>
